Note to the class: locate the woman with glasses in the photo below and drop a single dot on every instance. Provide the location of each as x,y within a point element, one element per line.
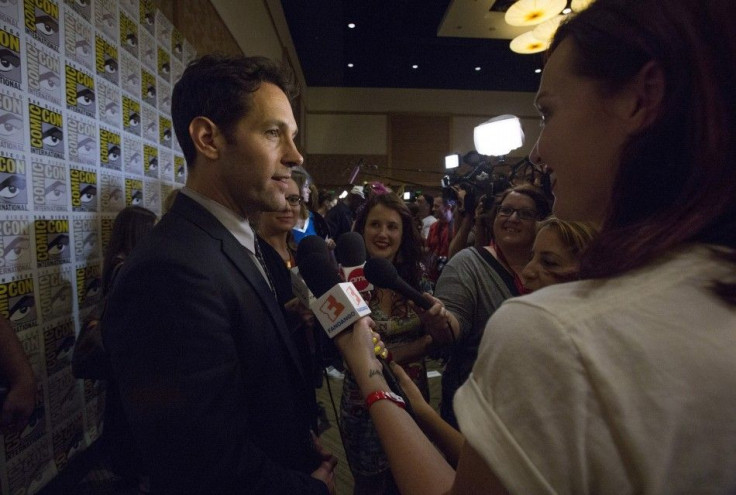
<point>275,227</point>
<point>476,281</point>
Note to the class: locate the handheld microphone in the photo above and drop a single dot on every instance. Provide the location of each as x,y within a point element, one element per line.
<point>308,245</point>
<point>350,253</point>
<point>338,306</point>
<point>382,273</point>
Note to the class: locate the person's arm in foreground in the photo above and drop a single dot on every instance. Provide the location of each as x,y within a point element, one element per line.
<point>16,372</point>
<point>417,466</point>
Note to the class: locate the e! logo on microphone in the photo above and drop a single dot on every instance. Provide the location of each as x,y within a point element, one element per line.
<point>332,308</point>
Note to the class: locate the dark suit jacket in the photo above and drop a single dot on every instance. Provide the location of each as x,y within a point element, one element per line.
<point>210,378</point>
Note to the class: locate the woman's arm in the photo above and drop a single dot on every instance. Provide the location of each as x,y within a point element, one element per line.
<point>417,466</point>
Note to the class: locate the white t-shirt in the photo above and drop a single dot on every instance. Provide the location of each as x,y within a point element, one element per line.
<point>626,385</point>
<point>426,224</point>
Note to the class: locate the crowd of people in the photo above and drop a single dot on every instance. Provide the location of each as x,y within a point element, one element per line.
<point>587,336</point>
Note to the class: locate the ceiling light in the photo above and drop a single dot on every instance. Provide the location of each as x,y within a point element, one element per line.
<point>477,69</point>
<point>528,43</point>
<point>351,25</point>
<point>415,66</point>
<point>351,65</point>
<point>578,5</point>
<point>537,71</point>
<point>531,12</point>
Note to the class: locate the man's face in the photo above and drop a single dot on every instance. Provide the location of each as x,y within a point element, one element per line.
<point>254,166</point>
<point>423,206</point>
<point>436,205</point>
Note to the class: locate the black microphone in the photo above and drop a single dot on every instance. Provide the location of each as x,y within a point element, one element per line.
<point>382,273</point>
<point>310,244</point>
<point>350,253</point>
<point>321,279</point>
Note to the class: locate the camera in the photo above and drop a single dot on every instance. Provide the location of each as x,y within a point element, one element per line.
<point>484,179</point>
<point>489,177</point>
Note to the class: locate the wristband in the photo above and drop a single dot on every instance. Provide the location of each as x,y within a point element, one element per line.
<point>382,394</point>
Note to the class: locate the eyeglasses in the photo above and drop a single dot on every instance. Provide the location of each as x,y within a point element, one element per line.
<point>294,199</point>
<point>524,213</point>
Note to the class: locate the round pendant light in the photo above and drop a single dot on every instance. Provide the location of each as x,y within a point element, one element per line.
<point>531,12</point>
<point>528,43</point>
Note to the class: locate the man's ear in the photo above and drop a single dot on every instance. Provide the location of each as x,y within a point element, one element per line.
<point>206,137</point>
<point>645,94</point>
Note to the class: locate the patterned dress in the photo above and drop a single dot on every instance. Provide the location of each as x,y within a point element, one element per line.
<point>362,446</point>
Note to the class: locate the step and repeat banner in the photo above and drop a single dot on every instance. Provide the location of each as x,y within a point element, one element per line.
<point>85,130</point>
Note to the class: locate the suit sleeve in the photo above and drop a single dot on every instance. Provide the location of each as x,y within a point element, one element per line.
<point>169,332</point>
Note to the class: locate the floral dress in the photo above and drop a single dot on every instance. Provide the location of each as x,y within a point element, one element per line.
<point>362,446</point>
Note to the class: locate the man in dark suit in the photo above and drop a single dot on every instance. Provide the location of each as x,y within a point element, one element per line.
<point>210,377</point>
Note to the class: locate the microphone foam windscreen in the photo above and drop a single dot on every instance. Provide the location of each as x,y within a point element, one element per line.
<point>318,273</point>
<point>310,244</point>
<point>350,249</point>
<point>380,272</point>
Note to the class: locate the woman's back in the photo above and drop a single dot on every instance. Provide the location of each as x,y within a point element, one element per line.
<point>629,384</point>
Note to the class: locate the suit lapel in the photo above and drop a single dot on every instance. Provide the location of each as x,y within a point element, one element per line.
<point>241,259</point>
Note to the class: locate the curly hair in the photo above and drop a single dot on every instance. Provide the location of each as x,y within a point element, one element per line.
<point>408,257</point>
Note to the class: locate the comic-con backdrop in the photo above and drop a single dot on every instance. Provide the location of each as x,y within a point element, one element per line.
<point>85,130</point>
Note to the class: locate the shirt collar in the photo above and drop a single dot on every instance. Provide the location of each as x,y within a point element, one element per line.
<point>238,226</point>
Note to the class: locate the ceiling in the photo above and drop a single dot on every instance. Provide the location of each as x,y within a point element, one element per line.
<point>446,39</point>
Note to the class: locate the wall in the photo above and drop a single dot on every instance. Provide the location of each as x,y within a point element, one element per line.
<point>85,108</point>
<point>377,125</point>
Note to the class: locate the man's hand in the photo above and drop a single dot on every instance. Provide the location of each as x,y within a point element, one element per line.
<point>326,470</point>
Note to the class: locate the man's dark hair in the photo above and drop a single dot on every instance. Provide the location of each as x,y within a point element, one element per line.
<point>429,199</point>
<point>220,87</point>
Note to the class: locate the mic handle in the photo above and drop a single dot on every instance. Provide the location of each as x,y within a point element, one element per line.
<point>393,384</point>
<point>410,293</point>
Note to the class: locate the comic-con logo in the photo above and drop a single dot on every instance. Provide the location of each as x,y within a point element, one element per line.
<point>150,161</point>
<point>46,129</point>
<point>42,21</point>
<point>84,190</point>
<point>55,293</point>
<point>164,130</point>
<point>89,285</point>
<point>148,87</point>
<point>133,192</point>
<point>129,34</point>
<point>10,59</point>
<point>44,73</point>
<point>49,186</point>
<point>131,115</point>
<point>15,245</point>
<point>59,344</point>
<point>18,303</point>
<point>82,141</point>
<point>11,122</point>
<point>110,150</point>
<point>78,38</point>
<point>80,91</point>
<point>106,60</point>
<point>52,242</point>
<point>13,191</point>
